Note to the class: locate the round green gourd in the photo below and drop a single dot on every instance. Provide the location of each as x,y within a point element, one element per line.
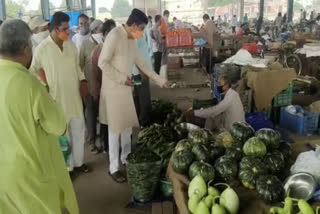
<point>241,132</point>
<point>270,137</point>
<point>203,169</point>
<point>286,150</point>
<point>226,168</point>
<point>270,188</point>
<point>250,169</point>
<point>201,152</point>
<point>274,162</point>
<point>183,145</point>
<point>234,153</point>
<point>181,161</point>
<point>254,147</point>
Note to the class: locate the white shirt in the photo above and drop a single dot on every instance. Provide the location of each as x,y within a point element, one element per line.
<point>63,75</point>
<point>234,22</point>
<point>78,39</point>
<point>156,40</point>
<point>230,108</point>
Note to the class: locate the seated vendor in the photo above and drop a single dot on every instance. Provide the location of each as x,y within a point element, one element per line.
<point>227,112</point>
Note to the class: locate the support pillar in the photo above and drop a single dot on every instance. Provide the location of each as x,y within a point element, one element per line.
<point>241,10</point>
<point>2,10</point>
<point>93,8</point>
<point>45,8</point>
<point>69,5</point>
<point>290,10</point>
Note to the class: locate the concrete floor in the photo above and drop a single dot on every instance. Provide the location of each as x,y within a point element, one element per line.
<point>97,193</point>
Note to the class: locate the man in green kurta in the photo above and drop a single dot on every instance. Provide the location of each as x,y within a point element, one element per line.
<point>33,178</point>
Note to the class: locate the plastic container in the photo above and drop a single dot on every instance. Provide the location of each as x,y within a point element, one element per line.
<point>284,98</point>
<point>172,39</point>
<point>259,121</point>
<point>251,47</point>
<point>185,38</point>
<point>301,125</point>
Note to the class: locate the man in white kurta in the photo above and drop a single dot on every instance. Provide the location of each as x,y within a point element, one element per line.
<point>84,31</point>
<point>117,108</point>
<point>57,58</point>
<point>227,112</point>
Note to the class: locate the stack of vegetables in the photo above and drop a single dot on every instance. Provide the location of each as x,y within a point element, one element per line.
<point>203,198</point>
<point>165,113</point>
<point>254,159</point>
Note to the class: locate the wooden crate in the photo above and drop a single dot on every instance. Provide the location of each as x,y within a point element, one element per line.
<point>167,207</point>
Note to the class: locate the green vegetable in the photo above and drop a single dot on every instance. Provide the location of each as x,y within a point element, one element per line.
<point>270,188</point>
<point>277,210</point>
<point>218,209</point>
<point>241,132</point>
<point>254,147</point>
<point>286,151</point>
<point>250,169</point>
<point>213,192</point>
<point>181,161</point>
<point>193,202</point>
<point>164,112</point>
<point>270,137</point>
<point>229,199</point>
<point>304,207</point>
<point>199,136</point>
<point>201,152</point>
<point>183,145</point>
<point>226,168</point>
<point>274,162</point>
<point>215,151</point>
<point>225,139</point>
<point>288,205</point>
<point>197,186</point>
<point>208,201</point>
<point>234,153</point>
<point>203,169</point>
<point>202,208</point>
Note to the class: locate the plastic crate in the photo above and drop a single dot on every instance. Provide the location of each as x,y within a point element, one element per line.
<point>259,120</point>
<point>284,98</point>
<point>302,125</point>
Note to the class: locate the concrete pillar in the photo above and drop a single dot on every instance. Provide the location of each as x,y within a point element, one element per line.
<point>290,10</point>
<point>83,6</point>
<point>45,7</point>
<point>241,10</point>
<point>69,5</point>
<point>261,9</point>
<point>2,9</point>
<point>93,8</point>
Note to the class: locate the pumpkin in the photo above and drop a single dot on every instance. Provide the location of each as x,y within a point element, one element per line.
<point>241,132</point>
<point>250,169</point>
<point>198,136</point>
<point>286,150</point>
<point>234,153</point>
<point>201,152</point>
<point>225,139</point>
<point>270,137</point>
<point>254,147</point>
<point>215,151</point>
<point>270,188</point>
<point>203,169</point>
<point>183,144</point>
<point>274,162</point>
<point>181,161</point>
<point>226,168</point>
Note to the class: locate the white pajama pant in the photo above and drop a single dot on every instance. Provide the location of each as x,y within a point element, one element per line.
<point>115,139</point>
<point>76,135</point>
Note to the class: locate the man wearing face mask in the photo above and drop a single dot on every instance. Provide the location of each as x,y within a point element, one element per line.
<point>91,104</point>
<point>227,112</point>
<point>39,30</point>
<point>84,31</point>
<point>56,61</point>
<point>118,55</point>
<point>34,178</point>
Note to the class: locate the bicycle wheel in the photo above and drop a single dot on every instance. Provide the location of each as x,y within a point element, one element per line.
<point>293,61</point>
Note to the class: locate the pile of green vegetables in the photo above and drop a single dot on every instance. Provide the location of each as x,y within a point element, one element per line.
<point>165,113</point>
<point>288,208</point>
<point>254,159</point>
<point>205,199</point>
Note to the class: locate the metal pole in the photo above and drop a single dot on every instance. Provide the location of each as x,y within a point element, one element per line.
<point>261,9</point>
<point>45,7</point>
<point>241,10</point>
<point>93,8</point>
<point>69,5</point>
<point>290,10</point>
<point>83,6</point>
<point>2,9</point>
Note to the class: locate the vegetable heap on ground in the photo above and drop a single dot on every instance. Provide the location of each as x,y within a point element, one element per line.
<point>254,159</point>
<point>165,113</point>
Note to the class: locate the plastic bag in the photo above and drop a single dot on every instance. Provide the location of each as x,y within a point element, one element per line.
<point>308,162</point>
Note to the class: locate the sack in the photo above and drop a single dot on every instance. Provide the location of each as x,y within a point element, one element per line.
<point>308,162</point>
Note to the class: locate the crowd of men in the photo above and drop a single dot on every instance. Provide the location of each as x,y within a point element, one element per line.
<point>55,85</point>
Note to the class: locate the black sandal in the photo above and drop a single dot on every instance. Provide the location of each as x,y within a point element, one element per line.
<point>118,177</point>
<point>84,168</point>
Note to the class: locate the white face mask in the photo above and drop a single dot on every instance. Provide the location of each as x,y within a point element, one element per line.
<point>98,37</point>
<point>39,37</point>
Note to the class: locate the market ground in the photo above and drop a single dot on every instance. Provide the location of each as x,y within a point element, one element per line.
<point>97,193</point>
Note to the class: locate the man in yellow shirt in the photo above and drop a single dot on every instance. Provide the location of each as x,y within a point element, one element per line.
<point>33,179</point>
